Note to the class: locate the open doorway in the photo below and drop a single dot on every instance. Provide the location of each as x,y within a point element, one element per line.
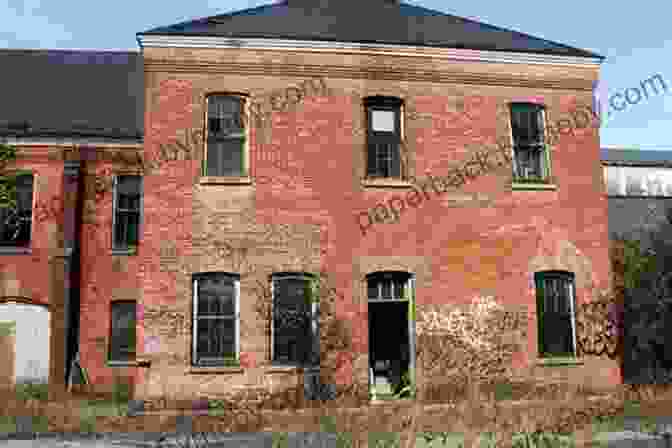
<point>390,338</point>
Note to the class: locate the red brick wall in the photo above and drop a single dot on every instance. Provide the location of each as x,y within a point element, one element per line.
<point>458,245</point>
<point>458,248</point>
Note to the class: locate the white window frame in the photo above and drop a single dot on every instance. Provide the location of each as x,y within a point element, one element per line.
<point>194,333</point>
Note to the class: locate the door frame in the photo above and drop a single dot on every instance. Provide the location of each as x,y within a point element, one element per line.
<point>410,300</point>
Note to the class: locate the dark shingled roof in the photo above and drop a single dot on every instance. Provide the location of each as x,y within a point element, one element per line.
<point>636,157</point>
<point>366,21</point>
<point>71,93</point>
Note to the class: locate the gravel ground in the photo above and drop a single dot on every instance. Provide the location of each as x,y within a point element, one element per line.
<point>620,439</point>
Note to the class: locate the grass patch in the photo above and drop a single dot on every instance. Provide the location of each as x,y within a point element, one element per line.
<point>7,424</point>
<point>87,416</point>
<point>384,440</point>
<point>32,391</point>
<point>439,440</point>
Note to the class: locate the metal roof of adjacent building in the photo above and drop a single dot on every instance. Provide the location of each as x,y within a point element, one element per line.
<point>71,93</point>
<point>636,157</point>
<point>366,22</point>
<point>81,93</point>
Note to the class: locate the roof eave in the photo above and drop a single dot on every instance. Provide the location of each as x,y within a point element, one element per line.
<point>204,40</point>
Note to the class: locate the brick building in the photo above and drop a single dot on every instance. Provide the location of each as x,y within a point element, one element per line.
<point>639,186</point>
<point>256,148</point>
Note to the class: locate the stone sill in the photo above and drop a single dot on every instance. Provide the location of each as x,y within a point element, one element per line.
<point>532,186</point>
<point>10,250</point>
<point>195,370</point>
<point>386,183</point>
<point>124,251</point>
<point>220,180</point>
<point>122,363</point>
<point>559,361</point>
<point>282,369</point>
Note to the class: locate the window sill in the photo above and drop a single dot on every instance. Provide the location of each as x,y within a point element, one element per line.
<point>559,361</point>
<point>124,251</point>
<point>215,369</point>
<point>13,250</point>
<point>532,186</point>
<point>222,180</point>
<point>133,363</point>
<point>386,183</point>
<point>282,369</point>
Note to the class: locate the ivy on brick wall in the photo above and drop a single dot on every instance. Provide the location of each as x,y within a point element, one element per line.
<point>7,181</point>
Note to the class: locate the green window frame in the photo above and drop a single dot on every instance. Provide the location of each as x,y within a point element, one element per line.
<point>225,151</point>
<point>293,317</point>
<point>556,313</point>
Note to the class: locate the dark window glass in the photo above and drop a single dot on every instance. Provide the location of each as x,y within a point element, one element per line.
<point>15,224</point>
<point>127,211</point>
<point>383,137</point>
<point>215,325</point>
<point>291,320</point>
<point>527,127</point>
<point>226,136</point>
<point>555,301</point>
<point>122,340</point>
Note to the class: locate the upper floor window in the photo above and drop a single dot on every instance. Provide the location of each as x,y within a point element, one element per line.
<point>15,222</point>
<point>292,317</point>
<point>555,313</point>
<point>383,136</point>
<point>122,331</point>
<point>530,152</point>
<point>126,215</point>
<point>225,154</point>
<point>216,319</point>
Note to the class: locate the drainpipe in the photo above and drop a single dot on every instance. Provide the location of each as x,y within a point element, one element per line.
<point>72,222</point>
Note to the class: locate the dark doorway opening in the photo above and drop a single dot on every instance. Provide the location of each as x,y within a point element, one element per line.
<point>389,353</point>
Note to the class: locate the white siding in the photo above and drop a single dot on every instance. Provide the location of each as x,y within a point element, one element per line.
<point>32,340</point>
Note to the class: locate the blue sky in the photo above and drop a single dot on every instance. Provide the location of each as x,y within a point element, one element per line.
<point>635,40</point>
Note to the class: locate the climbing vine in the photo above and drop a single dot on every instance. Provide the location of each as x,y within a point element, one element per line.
<point>7,182</point>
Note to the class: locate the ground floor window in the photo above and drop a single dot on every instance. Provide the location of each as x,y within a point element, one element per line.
<point>122,337</point>
<point>216,318</point>
<point>292,318</point>
<point>555,313</point>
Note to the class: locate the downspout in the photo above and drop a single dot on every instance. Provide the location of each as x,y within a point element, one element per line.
<point>72,224</point>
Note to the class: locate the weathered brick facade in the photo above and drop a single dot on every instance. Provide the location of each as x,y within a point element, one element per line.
<point>483,239</point>
<point>487,238</point>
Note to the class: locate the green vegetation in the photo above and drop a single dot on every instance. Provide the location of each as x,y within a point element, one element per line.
<point>32,391</point>
<point>7,182</point>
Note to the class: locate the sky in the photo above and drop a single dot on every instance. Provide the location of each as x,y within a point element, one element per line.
<point>634,38</point>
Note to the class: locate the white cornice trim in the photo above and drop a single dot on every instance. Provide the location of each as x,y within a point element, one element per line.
<point>357,48</point>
